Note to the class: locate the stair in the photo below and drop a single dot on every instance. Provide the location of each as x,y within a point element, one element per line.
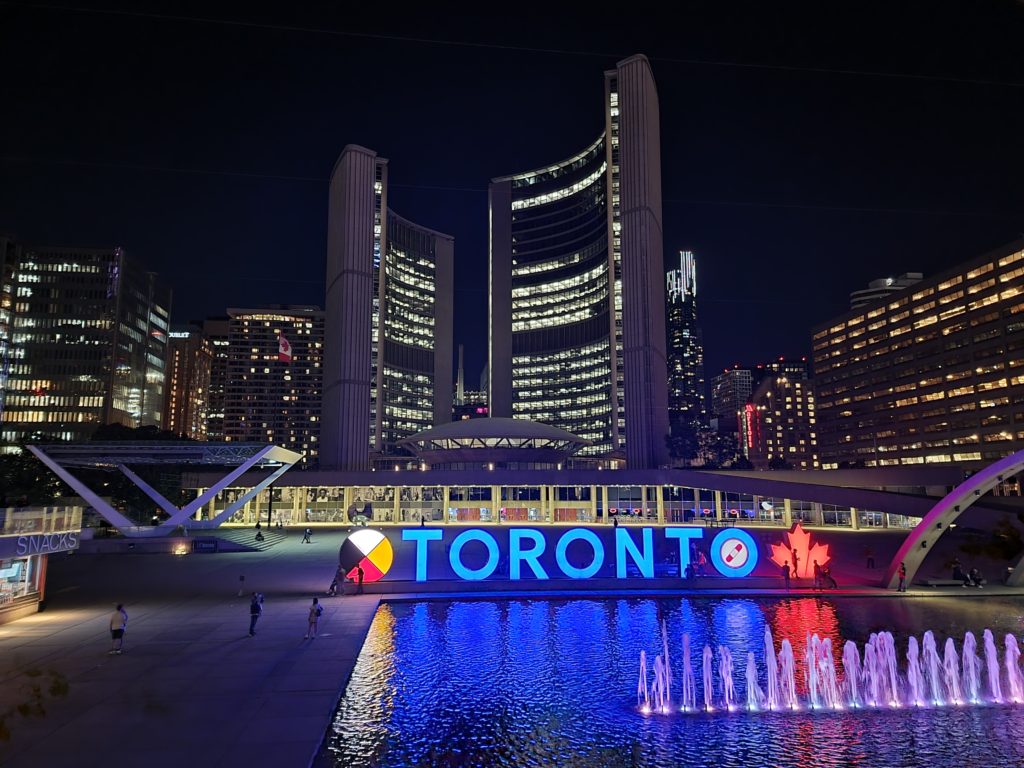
<point>246,537</point>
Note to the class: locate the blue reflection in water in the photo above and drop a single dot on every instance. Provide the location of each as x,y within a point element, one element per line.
<point>552,682</point>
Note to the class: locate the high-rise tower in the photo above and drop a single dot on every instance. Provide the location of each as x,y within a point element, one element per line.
<point>577,325</point>
<point>388,343</point>
<point>686,398</point>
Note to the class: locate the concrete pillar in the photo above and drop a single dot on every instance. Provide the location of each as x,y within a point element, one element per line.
<point>299,494</point>
<point>604,504</point>
<point>496,503</point>
<point>787,513</point>
<point>718,505</point>
<point>659,496</point>
<point>593,504</point>
<point>445,501</point>
<point>397,509</point>
<point>819,516</point>
<point>854,519</point>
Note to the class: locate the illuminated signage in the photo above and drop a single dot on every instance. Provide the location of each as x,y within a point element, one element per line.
<point>733,552</point>
<point>38,544</point>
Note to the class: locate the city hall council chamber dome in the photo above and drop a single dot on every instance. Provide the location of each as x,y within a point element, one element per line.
<point>494,443</point>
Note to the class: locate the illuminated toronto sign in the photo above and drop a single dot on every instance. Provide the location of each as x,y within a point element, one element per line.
<point>733,552</point>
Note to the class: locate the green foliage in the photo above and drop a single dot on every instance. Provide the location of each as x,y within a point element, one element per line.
<point>40,687</point>
<point>25,481</point>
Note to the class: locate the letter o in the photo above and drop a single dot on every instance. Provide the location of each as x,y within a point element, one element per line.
<point>455,556</point>
<point>595,544</point>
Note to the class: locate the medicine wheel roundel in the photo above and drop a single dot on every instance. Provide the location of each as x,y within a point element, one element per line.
<point>369,549</point>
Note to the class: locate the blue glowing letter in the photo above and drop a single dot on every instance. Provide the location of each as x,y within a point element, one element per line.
<point>644,560</point>
<point>684,535</point>
<point>455,556</point>
<point>734,553</point>
<point>421,536</point>
<point>517,555</point>
<point>595,543</point>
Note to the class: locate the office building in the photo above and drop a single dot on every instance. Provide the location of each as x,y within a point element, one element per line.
<point>187,392</point>
<point>932,375</point>
<point>730,391</point>
<point>88,345</point>
<point>577,325</point>
<point>388,361</point>
<point>217,332</point>
<point>10,254</point>
<point>274,378</point>
<point>878,290</point>
<point>686,398</point>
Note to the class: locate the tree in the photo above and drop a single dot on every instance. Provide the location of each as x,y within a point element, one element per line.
<point>779,462</point>
<point>25,481</point>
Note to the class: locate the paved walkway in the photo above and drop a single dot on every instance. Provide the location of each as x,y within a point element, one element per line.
<point>193,689</point>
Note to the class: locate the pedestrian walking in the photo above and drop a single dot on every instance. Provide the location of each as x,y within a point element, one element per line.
<point>118,626</point>
<point>315,612</point>
<point>255,611</point>
<point>903,578</point>
<point>359,579</point>
<point>305,536</point>
<point>785,574</point>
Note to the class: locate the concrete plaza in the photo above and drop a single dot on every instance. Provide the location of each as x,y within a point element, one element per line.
<point>193,688</point>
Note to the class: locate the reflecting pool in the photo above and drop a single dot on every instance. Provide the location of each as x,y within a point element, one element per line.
<point>536,682</point>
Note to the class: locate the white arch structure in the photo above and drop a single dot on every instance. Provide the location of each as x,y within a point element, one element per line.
<point>106,455</point>
<point>916,546</point>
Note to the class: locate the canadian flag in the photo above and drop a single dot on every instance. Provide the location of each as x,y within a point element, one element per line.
<point>284,349</point>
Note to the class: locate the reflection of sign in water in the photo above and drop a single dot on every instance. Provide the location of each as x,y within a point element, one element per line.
<point>369,549</point>
<point>799,547</point>
<point>734,553</point>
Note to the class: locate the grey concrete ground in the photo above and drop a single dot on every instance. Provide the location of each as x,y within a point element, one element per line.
<point>193,689</point>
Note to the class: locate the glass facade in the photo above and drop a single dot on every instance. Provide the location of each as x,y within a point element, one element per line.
<point>410,304</point>
<point>88,345</point>
<point>562,298</point>
<point>686,401</point>
<point>620,503</point>
<point>933,374</point>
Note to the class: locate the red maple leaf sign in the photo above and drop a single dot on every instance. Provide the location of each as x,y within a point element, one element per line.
<point>800,547</point>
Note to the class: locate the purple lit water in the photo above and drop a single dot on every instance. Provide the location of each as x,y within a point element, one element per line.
<point>552,682</point>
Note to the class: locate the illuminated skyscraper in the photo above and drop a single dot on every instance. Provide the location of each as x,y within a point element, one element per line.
<point>271,397</point>
<point>187,392</point>
<point>88,345</point>
<point>388,356</point>
<point>577,325</point>
<point>217,332</point>
<point>686,399</point>
<point>932,374</point>
<point>10,254</point>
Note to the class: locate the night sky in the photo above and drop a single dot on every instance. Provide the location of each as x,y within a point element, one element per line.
<point>807,148</point>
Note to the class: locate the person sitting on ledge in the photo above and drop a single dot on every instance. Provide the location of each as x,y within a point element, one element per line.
<point>975,578</point>
<point>959,575</point>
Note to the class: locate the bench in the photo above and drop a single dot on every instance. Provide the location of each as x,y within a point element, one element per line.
<point>725,522</point>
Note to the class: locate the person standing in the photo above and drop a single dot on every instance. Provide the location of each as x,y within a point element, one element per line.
<point>903,578</point>
<point>305,536</point>
<point>785,574</point>
<point>118,626</point>
<point>255,611</point>
<point>869,556</point>
<point>359,579</point>
<point>315,612</point>
<point>796,566</point>
<point>817,575</point>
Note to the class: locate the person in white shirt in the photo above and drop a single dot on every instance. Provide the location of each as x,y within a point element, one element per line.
<point>118,626</point>
<point>315,611</point>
